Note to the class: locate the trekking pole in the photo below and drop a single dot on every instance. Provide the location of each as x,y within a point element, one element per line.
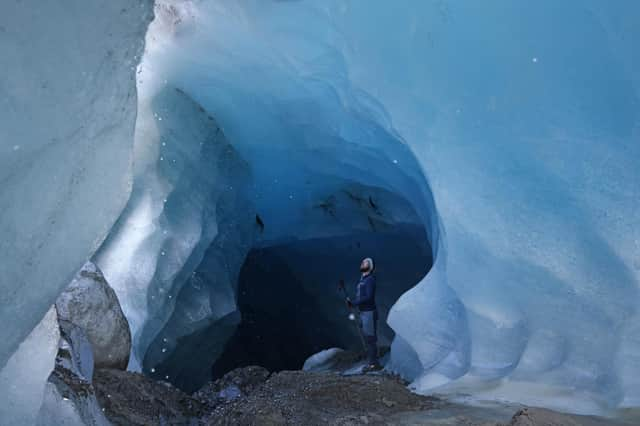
<point>354,316</point>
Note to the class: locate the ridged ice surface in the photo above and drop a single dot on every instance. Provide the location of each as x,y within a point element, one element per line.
<point>524,119</point>
<point>186,178</point>
<point>201,200</point>
<point>511,128</point>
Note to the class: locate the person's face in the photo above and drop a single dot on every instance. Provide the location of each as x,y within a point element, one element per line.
<point>364,266</point>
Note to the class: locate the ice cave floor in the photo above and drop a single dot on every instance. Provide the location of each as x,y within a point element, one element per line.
<point>253,396</point>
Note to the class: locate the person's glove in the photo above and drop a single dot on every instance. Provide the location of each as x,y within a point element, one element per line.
<point>349,304</point>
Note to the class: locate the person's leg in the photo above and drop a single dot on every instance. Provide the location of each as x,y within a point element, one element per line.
<point>372,350</point>
<point>368,319</point>
<point>372,338</point>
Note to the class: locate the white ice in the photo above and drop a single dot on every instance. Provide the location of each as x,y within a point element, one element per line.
<point>67,114</point>
<point>321,361</point>
<point>24,377</point>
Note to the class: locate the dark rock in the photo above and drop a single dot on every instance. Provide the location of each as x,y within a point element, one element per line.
<point>543,417</point>
<point>233,385</point>
<point>297,397</point>
<point>133,399</point>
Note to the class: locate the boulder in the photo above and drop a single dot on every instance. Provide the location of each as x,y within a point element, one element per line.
<point>91,304</point>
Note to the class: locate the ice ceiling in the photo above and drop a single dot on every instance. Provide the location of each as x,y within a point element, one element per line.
<point>522,117</point>
<point>509,131</point>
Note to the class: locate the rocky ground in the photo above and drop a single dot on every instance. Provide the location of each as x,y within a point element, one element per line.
<point>303,398</point>
<point>89,384</point>
<point>252,396</point>
<point>133,399</point>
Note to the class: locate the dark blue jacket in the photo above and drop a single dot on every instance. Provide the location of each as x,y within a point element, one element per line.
<point>366,293</point>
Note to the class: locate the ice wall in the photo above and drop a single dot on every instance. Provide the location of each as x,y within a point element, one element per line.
<point>24,377</point>
<point>524,117</point>
<point>176,252</point>
<point>187,179</point>
<point>67,112</point>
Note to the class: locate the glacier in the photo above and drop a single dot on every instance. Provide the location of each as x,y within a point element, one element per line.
<point>24,377</point>
<point>187,184</point>
<point>511,129</point>
<point>67,114</point>
<point>507,134</point>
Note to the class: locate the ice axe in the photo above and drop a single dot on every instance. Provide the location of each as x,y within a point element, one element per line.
<point>354,314</point>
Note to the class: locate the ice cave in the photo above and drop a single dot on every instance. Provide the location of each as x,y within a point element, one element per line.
<point>218,167</point>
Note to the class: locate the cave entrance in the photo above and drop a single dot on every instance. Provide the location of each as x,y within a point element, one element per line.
<point>289,301</point>
<point>265,291</point>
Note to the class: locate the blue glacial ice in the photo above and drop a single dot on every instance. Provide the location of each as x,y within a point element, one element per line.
<point>511,130</point>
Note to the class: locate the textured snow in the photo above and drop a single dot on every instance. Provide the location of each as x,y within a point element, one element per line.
<point>67,112</point>
<point>511,127</point>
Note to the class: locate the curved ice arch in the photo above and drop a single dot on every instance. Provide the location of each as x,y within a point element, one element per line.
<point>531,159</point>
<point>164,265</point>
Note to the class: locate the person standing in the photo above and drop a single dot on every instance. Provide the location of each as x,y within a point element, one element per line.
<point>365,301</point>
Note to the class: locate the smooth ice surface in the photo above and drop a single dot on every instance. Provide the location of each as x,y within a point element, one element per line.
<point>24,377</point>
<point>67,113</point>
<point>519,121</point>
